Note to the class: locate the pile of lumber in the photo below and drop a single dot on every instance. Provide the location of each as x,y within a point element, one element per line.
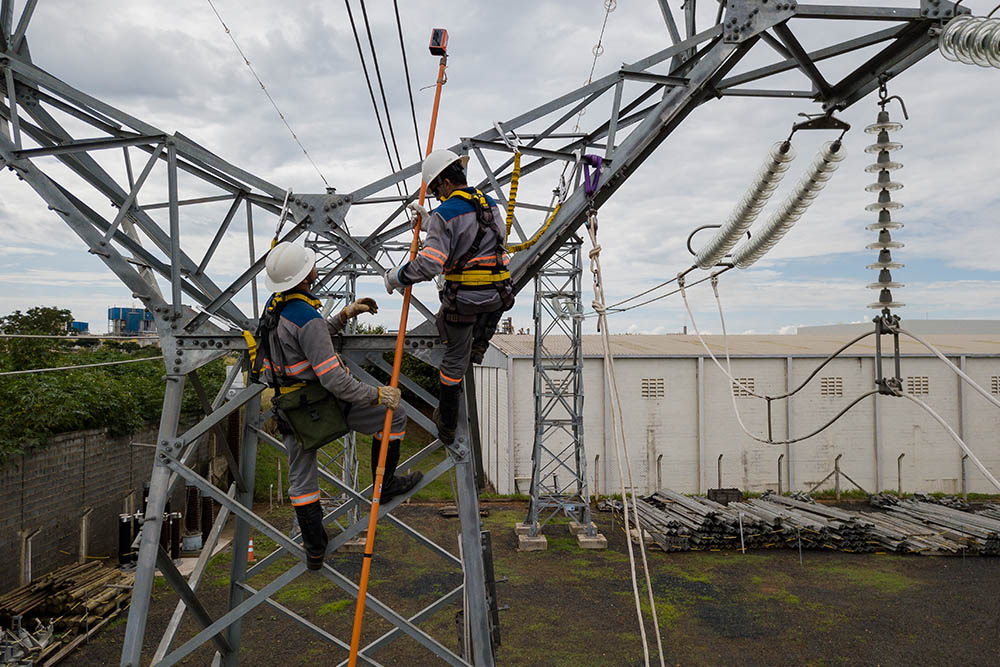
<point>74,600</point>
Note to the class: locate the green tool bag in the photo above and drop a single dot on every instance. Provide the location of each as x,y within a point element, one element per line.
<point>313,414</point>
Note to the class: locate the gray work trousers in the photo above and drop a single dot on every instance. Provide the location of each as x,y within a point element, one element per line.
<point>459,338</point>
<point>303,476</point>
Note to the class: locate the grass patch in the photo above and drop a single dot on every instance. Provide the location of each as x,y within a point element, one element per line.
<point>868,577</point>
<point>334,607</point>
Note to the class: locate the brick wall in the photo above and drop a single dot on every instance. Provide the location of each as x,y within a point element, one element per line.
<point>49,490</point>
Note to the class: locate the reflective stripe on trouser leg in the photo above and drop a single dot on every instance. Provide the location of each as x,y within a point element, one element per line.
<point>303,478</point>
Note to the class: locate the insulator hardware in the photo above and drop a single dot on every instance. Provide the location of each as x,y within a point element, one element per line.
<point>884,186</point>
<point>794,206</point>
<point>746,211</point>
<point>972,40</point>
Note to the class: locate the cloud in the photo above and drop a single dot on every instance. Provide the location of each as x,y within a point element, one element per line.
<point>173,66</point>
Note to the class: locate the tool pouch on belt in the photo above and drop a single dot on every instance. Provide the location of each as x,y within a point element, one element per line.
<point>313,414</point>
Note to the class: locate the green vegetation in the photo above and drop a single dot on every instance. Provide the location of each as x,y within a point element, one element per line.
<point>120,398</point>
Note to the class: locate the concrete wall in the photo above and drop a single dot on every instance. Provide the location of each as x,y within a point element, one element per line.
<point>675,441</point>
<point>49,489</point>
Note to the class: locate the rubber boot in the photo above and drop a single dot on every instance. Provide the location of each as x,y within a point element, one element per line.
<point>393,485</point>
<point>314,537</point>
<point>446,413</point>
<point>391,460</point>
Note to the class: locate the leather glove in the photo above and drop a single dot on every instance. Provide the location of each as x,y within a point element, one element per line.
<point>363,305</point>
<point>388,396</point>
<point>419,212</point>
<point>392,281</point>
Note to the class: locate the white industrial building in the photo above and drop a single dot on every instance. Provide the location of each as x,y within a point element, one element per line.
<point>678,413</point>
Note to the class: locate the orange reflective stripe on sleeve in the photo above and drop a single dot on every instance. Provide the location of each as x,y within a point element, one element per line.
<point>426,254</point>
<point>327,366</point>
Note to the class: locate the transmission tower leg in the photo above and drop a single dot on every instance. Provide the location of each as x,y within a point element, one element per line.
<point>241,534</point>
<point>559,462</point>
<point>159,483</point>
<point>477,604</point>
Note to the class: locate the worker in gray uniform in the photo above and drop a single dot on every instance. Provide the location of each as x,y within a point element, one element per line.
<point>466,242</point>
<point>298,351</point>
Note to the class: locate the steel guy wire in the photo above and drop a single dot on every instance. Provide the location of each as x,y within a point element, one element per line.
<point>73,368</point>
<point>409,86</point>
<point>268,94</point>
<point>371,91</point>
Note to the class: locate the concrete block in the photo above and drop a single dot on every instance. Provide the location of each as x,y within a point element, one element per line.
<point>529,543</point>
<point>598,541</point>
<point>521,528</point>
<point>576,528</point>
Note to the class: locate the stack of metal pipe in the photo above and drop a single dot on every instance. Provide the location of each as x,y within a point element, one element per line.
<point>677,522</point>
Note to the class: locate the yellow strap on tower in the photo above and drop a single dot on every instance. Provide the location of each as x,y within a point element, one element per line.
<point>511,201</point>
<point>534,239</point>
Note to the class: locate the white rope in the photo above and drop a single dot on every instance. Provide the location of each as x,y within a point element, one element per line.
<point>618,431</point>
<point>73,368</point>
<point>956,438</point>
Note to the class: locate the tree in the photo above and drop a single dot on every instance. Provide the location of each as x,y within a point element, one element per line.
<point>18,354</point>
<point>40,320</point>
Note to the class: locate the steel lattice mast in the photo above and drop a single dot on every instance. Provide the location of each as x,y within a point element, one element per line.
<point>155,250</point>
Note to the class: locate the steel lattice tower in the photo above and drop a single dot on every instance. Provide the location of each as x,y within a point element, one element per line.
<point>559,462</point>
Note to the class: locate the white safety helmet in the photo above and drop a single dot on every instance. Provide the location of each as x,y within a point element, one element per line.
<point>438,161</point>
<point>286,265</point>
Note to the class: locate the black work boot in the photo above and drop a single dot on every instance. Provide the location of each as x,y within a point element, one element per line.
<point>391,460</point>
<point>314,537</point>
<point>446,413</point>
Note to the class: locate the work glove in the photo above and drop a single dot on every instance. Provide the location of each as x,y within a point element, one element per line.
<point>363,305</point>
<point>418,213</point>
<point>392,281</point>
<point>388,396</point>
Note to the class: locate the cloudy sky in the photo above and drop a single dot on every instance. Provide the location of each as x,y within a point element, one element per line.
<point>172,65</point>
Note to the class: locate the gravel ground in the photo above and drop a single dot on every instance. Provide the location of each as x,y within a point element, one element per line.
<point>575,607</point>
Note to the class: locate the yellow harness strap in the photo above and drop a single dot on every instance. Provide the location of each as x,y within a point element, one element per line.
<point>477,277</point>
<point>290,388</point>
<point>251,346</point>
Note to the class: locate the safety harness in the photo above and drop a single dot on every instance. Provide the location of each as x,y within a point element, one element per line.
<point>262,347</point>
<point>496,277</point>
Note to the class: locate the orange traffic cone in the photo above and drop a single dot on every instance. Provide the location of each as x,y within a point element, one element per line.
<point>250,558</point>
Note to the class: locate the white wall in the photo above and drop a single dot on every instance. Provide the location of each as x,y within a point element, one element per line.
<point>668,427</point>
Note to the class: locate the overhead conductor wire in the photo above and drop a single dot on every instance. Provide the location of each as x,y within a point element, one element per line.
<point>371,91</point>
<point>406,69</point>
<point>268,94</point>
<point>618,431</point>
<point>381,88</point>
<point>735,382</point>
<point>73,368</point>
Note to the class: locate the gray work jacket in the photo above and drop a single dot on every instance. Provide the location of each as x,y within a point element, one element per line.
<point>451,231</point>
<point>304,337</point>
